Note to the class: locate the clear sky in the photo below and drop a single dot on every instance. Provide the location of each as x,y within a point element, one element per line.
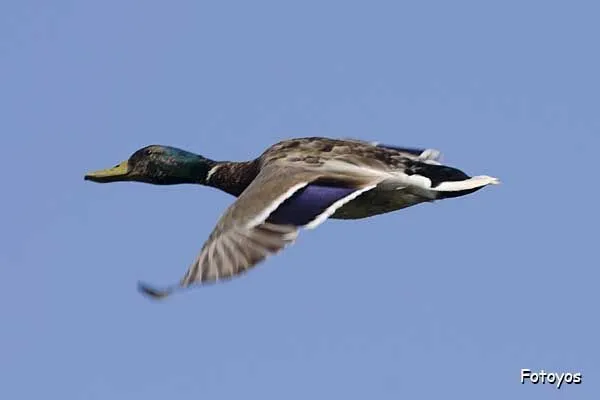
<point>448,300</point>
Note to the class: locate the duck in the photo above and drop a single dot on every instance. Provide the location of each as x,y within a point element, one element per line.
<point>294,184</point>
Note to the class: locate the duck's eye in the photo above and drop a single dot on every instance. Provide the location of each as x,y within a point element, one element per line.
<point>147,152</point>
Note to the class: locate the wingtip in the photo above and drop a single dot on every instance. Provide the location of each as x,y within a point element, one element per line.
<point>152,292</point>
<point>431,155</point>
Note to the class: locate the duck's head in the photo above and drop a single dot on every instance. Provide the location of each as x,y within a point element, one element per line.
<point>158,165</point>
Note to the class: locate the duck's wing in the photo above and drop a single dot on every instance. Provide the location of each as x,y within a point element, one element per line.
<point>265,219</point>
<point>431,156</point>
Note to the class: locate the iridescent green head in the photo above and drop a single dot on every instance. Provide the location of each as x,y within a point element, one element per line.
<point>158,165</point>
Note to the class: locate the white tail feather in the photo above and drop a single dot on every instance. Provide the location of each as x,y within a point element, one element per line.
<point>471,183</point>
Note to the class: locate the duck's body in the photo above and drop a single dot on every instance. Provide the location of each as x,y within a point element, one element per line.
<point>294,183</point>
<point>351,157</point>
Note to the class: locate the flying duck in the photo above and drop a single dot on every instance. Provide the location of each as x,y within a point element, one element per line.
<point>296,183</point>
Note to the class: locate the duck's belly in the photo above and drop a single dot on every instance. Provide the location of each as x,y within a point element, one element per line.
<point>378,201</point>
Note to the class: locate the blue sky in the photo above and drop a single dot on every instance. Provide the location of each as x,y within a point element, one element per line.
<point>436,301</point>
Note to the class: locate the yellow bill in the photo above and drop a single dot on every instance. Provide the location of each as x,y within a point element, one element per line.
<point>117,173</point>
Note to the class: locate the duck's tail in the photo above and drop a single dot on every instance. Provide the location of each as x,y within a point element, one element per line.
<point>446,181</point>
<point>448,189</point>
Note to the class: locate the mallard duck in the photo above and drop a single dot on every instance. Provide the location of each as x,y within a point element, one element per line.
<point>296,183</point>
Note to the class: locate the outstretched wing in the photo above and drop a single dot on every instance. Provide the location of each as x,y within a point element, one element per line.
<point>431,156</point>
<point>265,219</point>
